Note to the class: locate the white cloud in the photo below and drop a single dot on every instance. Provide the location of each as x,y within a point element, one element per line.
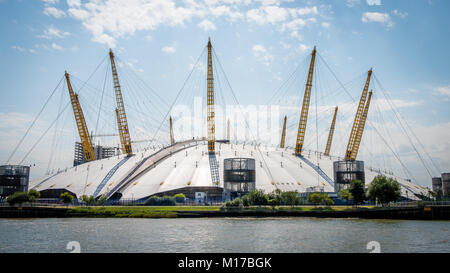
<point>382,18</point>
<point>19,48</point>
<point>50,1</point>
<point>109,20</point>
<point>400,14</point>
<point>352,3</point>
<point>325,25</point>
<point>53,32</point>
<point>444,90</point>
<point>303,47</point>
<point>262,54</point>
<point>373,2</point>
<point>52,11</point>
<point>168,49</point>
<point>56,46</point>
<point>206,25</point>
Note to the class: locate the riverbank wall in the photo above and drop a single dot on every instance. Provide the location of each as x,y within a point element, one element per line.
<point>405,213</point>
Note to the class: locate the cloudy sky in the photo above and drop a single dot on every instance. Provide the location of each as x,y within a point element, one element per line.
<point>259,43</point>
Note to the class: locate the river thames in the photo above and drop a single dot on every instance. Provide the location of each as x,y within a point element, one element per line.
<point>223,235</point>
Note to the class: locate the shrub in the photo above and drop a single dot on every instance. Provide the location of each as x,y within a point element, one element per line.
<point>89,200</point>
<point>257,198</point>
<point>237,202</point>
<point>101,200</point>
<point>314,198</point>
<point>290,198</point>
<point>179,197</point>
<point>66,198</point>
<point>17,198</point>
<point>33,195</point>
<point>245,201</point>
<point>345,195</point>
<point>161,201</point>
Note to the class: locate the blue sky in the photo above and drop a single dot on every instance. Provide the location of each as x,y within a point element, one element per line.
<point>259,43</point>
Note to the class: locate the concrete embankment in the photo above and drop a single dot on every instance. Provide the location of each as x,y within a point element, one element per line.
<point>406,213</point>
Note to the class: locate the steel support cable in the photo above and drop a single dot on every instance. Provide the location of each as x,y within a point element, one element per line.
<point>130,81</point>
<point>388,100</point>
<point>40,138</point>
<point>178,94</point>
<point>50,161</point>
<point>369,122</point>
<point>34,121</point>
<point>148,86</point>
<point>400,119</point>
<point>101,102</point>
<point>287,80</point>
<point>246,122</point>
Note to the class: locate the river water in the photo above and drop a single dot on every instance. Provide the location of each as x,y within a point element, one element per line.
<point>223,235</point>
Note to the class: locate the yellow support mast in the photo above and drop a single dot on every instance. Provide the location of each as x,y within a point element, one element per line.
<point>361,125</point>
<point>122,123</point>
<point>83,131</point>
<point>305,107</point>
<point>210,102</point>
<point>172,139</point>
<point>283,134</point>
<point>359,113</point>
<point>331,133</point>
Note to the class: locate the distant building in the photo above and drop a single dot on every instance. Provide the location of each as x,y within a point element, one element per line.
<point>100,152</point>
<point>13,178</point>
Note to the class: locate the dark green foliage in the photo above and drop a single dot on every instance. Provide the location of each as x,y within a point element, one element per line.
<point>245,201</point>
<point>161,201</point>
<point>357,191</point>
<point>345,195</point>
<point>179,197</point>
<point>314,198</point>
<point>17,198</point>
<point>384,189</point>
<point>257,198</point>
<point>237,202</point>
<point>290,198</point>
<point>33,195</point>
<point>23,197</point>
<point>66,198</point>
<point>317,198</point>
<point>89,200</point>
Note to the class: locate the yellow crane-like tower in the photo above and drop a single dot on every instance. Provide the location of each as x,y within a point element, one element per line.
<point>172,139</point>
<point>83,131</point>
<point>210,102</point>
<point>122,123</point>
<point>361,125</point>
<point>330,134</point>
<point>359,113</point>
<point>305,107</point>
<point>283,134</point>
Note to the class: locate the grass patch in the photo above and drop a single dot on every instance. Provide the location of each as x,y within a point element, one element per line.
<point>135,211</point>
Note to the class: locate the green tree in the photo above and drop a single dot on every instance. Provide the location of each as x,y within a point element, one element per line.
<point>245,201</point>
<point>179,197</point>
<point>314,198</point>
<point>237,202</point>
<point>66,198</point>
<point>88,199</point>
<point>290,198</point>
<point>33,195</point>
<point>17,198</point>
<point>345,195</point>
<point>257,198</point>
<point>357,191</point>
<point>326,200</point>
<point>384,189</point>
<point>101,200</point>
